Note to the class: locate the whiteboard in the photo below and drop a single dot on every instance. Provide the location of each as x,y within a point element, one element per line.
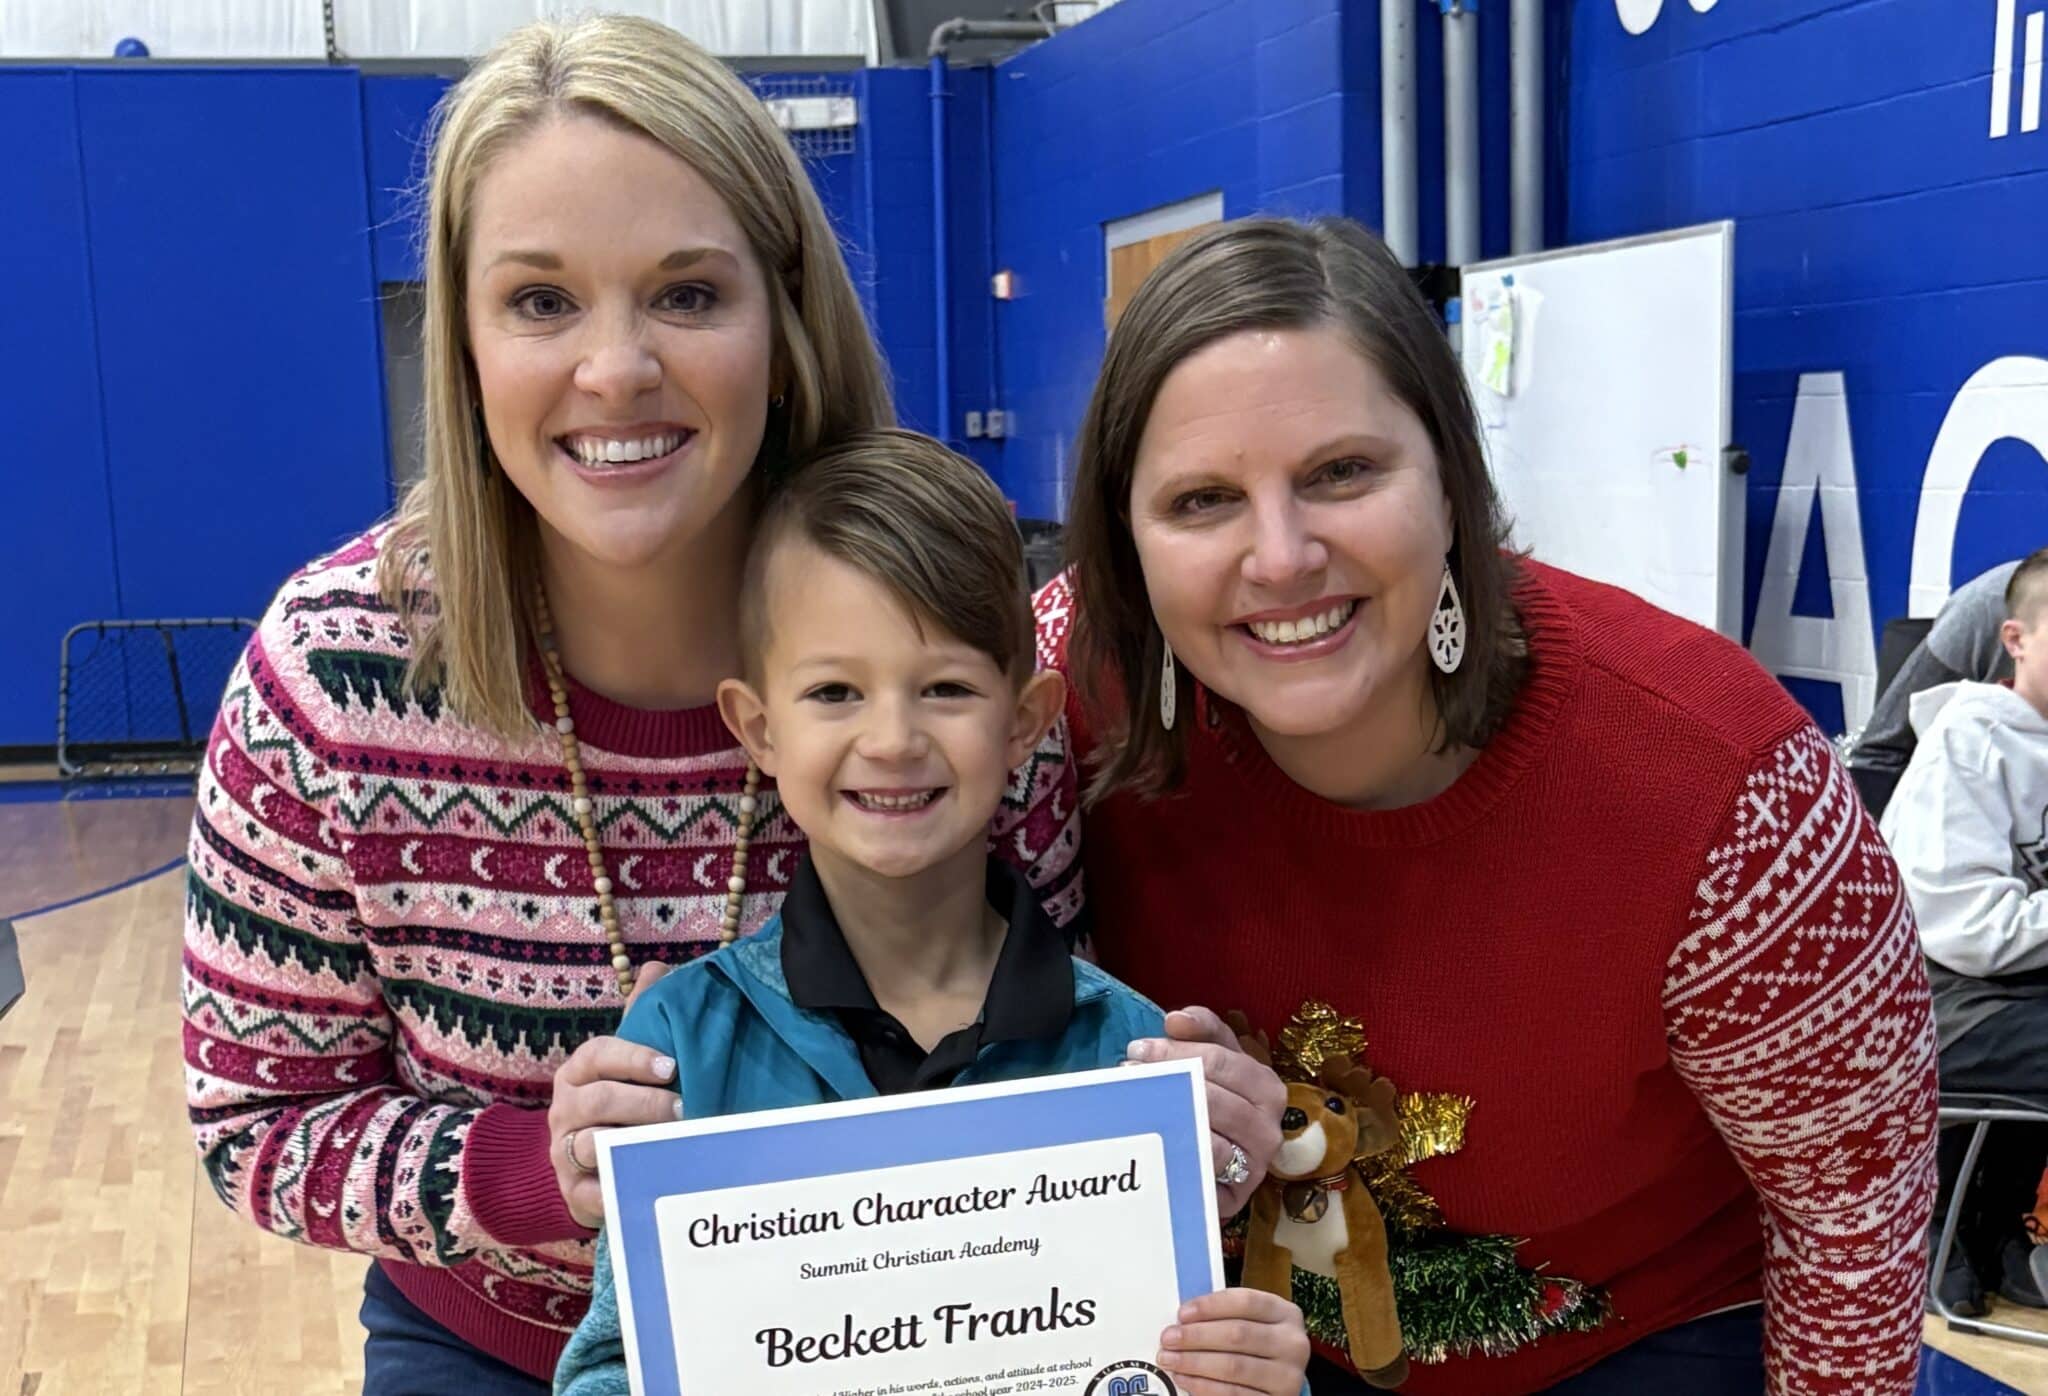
<point>1608,446</point>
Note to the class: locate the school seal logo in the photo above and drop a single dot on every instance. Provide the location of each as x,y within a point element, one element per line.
<point>1131,1379</point>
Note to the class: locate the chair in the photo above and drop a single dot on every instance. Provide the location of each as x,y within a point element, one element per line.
<point>1902,635</point>
<point>1980,1112</point>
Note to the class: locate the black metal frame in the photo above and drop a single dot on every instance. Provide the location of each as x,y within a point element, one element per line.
<point>12,984</point>
<point>102,759</point>
<point>1980,1112</point>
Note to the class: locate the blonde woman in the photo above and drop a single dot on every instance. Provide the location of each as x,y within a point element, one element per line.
<point>468,783</point>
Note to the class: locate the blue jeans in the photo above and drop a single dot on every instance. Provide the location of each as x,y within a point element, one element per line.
<point>409,1354</point>
<point>1719,1355</point>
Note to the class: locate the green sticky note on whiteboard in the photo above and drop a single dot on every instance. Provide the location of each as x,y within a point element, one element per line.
<point>1497,342</point>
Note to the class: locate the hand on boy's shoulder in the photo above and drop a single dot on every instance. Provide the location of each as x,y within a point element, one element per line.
<point>669,1001</point>
<point>644,979</point>
<point>656,987</point>
<point>642,1020</point>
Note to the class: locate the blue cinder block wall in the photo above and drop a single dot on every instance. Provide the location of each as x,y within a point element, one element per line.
<point>1883,234</point>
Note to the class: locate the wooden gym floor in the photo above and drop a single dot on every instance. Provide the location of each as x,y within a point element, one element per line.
<point>124,1273</point>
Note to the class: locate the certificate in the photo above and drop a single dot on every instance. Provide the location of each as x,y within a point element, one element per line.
<point>1029,1237</point>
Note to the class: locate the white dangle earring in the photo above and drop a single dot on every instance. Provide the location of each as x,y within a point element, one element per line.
<point>1447,626</point>
<point>1169,688</point>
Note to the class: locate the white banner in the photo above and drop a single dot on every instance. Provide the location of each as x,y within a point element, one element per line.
<point>370,30</point>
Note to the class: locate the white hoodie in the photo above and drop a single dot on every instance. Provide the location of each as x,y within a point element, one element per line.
<point>1968,825</point>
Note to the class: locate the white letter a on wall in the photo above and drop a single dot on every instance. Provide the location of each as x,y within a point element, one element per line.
<point>1820,467</point>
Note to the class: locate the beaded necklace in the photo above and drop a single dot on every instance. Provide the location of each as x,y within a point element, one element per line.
<point>586,816</point>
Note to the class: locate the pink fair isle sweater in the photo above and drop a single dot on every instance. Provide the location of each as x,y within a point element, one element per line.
<point>392,942</point>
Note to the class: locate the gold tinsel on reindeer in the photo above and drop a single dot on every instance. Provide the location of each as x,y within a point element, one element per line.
<point>1456,1294</point>
<point>1431,1124</point>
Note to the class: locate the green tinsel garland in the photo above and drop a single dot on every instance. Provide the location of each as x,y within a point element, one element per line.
<point>1458,1295</point>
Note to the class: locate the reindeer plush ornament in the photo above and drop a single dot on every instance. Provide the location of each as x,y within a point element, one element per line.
<point>1315,1212</point>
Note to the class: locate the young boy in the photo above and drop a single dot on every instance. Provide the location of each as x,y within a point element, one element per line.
<point>1969,828</point>
<point>889,691</point>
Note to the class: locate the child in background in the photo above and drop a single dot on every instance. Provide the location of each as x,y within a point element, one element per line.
<point>889,691</point>
<point>1962,643</point>
<point>1968,825</point>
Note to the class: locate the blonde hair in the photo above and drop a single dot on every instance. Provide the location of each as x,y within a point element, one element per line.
<point>464,546</point>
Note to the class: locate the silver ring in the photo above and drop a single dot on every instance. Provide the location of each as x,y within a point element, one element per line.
<point>1237,1170</point>
<point>569,1148</point>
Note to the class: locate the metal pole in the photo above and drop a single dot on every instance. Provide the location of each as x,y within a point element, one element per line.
<point>954,31</point>
<point>1398,202</point>
<point>1461,133</point>
<point>1525,149</point>
<point>177,686</point>
<point>942,350</point>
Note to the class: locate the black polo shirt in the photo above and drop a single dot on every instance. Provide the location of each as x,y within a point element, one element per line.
<point>1031,994</point>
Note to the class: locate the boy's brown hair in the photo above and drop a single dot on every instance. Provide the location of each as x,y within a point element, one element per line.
<point>2026,591</point>
<point>922,520</point>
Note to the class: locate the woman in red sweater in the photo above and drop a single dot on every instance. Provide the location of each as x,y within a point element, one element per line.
<point>1576,875</point>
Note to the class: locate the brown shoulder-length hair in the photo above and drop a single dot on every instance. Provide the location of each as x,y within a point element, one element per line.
<point>1271,274</point>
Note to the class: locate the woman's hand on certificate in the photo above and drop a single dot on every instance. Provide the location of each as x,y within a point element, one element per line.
<point>606,1081</point>
<point>1237,1342</point>
<point>1245,1100</point>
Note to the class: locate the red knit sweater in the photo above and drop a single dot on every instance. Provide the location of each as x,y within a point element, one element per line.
<point>1650,932</point>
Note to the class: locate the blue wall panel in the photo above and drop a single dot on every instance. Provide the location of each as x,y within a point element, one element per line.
<point>892,258</point>
<point>236,307</point>
<point>1882,233</point>
<point>53,485</point>
<point>397,116</point>
<point>201,352</point>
